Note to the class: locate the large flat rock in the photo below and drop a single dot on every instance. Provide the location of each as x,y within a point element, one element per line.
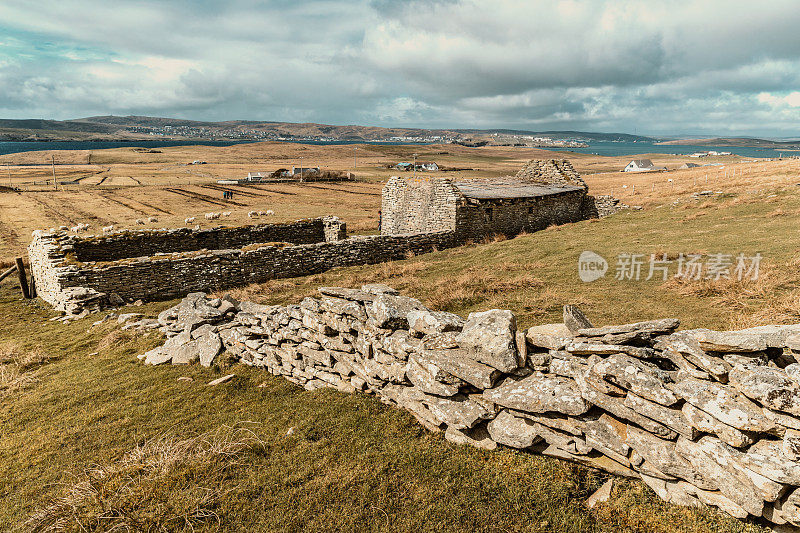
<point>459,363</point>
<point>660,326</point>
<point>538,393</point>
<point>549,336</point>
<point>661,454</point>
<point>634,375</point>
<point>771,387</point>
<point>725,404</point>
<point>513,431</point>
<point>490,338</point>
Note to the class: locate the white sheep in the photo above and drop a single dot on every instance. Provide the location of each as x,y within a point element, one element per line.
<point>140,221</point>
<point>270,212</point>
<point>214,216</point>
<point>152,219</point>
<point>197,227</point>
<point>262,213</point>
<point>189,220</point>
<point>108,229</point>
<point>75,229</point>
<point>83,226</point>
<point>226,213</point>
<point>252,214</point>
<point>209,216</point>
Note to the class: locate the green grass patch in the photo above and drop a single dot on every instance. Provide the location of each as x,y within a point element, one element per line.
<point>352,463</point>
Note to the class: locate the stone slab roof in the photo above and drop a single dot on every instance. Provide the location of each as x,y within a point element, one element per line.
<point>502,189</point>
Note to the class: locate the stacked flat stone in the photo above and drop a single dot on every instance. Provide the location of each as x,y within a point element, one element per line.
<point>551,172</point>
<point>607,205</point>
<point>700,416</point>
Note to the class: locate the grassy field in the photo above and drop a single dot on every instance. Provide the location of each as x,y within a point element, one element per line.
<point>118,186</point>
<point>82,419</point>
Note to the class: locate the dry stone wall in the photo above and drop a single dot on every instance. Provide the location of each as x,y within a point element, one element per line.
<point>702,417</point>
<point>75,286</point>
<point>418,205</point>
<point>125,244</point>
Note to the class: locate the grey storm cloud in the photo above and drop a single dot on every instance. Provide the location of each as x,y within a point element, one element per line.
<point>659,67</point>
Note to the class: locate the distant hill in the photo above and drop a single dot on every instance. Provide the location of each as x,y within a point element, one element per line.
<point>148,128</point>
<point>746,142</point>
<point>566,134</point>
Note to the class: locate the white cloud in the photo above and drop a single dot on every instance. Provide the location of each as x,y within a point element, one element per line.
<point>625,64</point>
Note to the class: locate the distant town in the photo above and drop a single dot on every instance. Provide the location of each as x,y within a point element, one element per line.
<point>240,134</point>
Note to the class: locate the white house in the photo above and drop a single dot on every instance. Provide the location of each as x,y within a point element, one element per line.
<point>641,165</point>
<point>257,175</point>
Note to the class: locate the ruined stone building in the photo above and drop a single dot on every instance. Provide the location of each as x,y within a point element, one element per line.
<point>542,194</point>
<point>77,273</point>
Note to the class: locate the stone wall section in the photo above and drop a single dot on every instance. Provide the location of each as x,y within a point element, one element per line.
<point>510,217</point>
<point>73,286</point>
<point>138,243</point>
<point>702,417</point>
<point>418,205</point>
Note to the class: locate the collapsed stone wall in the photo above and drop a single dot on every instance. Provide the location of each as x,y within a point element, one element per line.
<point>700,416</point>
<point>73,286</point>
<point>551,172</point>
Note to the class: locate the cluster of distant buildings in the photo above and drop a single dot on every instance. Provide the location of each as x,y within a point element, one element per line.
<point>420,167</point>
<point>645,165</point>
<point>294,171</point>
<point>709,153</point>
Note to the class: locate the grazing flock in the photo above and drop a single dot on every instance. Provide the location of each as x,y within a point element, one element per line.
<point>82,227</point>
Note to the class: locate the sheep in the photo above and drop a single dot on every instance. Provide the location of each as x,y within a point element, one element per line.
<point>252,214</point>
<point>152,219</point>
<point>226,213</point>
<point>270,212</point>
<point>188,220</point>
<point>214,216</point>
<point>197,227</point>
<point>108,229</point>
<point>79,227</point>
<point>209,216</point>
<point>140,221</point>
<point>262,213</point>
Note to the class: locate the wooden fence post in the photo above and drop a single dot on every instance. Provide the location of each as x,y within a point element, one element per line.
<point>23,279</point>
<point>8,272</point>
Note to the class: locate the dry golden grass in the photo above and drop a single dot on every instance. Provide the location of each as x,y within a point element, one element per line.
<point>18,367</point>
<point>121,185</point>
<point>114,339</point>
<point>781,306</point>
<point>164,484</point>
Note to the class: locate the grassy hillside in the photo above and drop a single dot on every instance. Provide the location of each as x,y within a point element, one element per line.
<point>74,397</point>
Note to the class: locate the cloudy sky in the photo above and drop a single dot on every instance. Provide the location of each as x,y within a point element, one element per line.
<point>667,67</point>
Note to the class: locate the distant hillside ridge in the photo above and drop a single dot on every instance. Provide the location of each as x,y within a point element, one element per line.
<point>135,127</point>
<point>745,142</point>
